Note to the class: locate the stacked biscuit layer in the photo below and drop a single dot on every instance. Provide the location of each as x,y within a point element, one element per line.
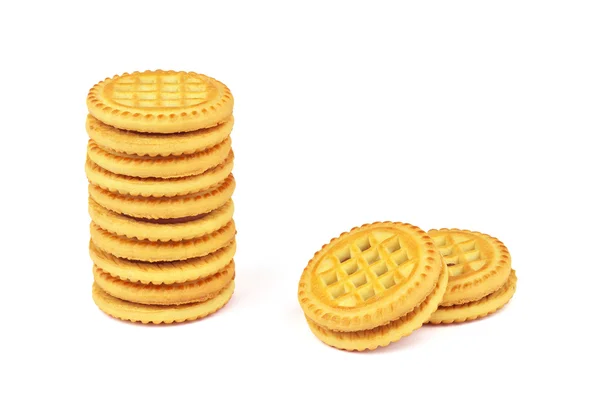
<point>159,163</point>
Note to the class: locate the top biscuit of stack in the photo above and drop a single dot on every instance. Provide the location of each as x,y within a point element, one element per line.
<point>160,101</point>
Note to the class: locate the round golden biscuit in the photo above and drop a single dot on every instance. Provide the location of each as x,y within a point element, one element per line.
<point>158,314</point>
<point>157,187</point>
<point>163,294</point>
<point>146,250</point>
<point>159,229</point>
<point>163,272</point>
<point>159,167</point>
<point>478,264</point>
<point>384,335</point>
<point>369,276</point>
<point>479,308</point>
<point>160,101</point>
<point>148,144</point>
<point>165,207</point>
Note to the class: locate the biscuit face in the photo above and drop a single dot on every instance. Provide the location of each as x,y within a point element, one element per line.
<point>478,264</point>
<point>163,272</point>
<point>159,167</point>
<point>160,101</point>
<point>158,314</point>
<point>160,230</point>
<point>146,250</point>
<point>165,294</point>
<point>148,144</point>
<point>165,207</point>
<point>479,308</point>
<point>369,276</point>
<point>157,187</point>
<point>388,333</point>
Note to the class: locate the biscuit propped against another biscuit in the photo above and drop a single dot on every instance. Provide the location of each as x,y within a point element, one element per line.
<point>357,289</point>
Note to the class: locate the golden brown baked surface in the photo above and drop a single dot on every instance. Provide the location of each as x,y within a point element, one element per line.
<point>369,276</point>
<point>160,101</point>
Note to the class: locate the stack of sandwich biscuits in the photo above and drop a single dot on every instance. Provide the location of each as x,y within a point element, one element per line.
<point>159,163</point>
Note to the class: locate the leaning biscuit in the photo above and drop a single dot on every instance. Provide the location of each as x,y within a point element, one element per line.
<point>159,167</point>
<point>146,250</point>
<point>165,207</point>
<point>478,264</point>
<point>369,277</point>
<point>163,294</point>
<point>149,144</point>
<point>157,187</point>
<point>158,229</point>
<point>388,333</point>
<point>479,308</point>
<point>158,314</point>
<point>160,101</point>
<point>163,272</point>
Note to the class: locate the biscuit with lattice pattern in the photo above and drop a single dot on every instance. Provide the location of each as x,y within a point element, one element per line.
<point>478,264</point>
<point>160,101</point>
<point>165,207</point>
<point>146,250</point>
<point>369,276</point>
<point>149,144</point>
<point>165,294</point>
<point>386,334</point>
<point>157,314</point>
<point>157,187</point>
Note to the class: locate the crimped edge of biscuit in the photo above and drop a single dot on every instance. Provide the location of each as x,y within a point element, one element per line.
<point>159,167</point>
<point>145,250</point>
<point>165,207</point>
<point>123,225</point>
<point>157,187</point>
<point>153,145</point>
<point>167,272</point>
<point>165,294</point>
<point>156,314</point>
<point>470,312</point>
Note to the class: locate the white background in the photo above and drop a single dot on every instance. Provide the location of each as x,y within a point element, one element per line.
<point>470,114</point>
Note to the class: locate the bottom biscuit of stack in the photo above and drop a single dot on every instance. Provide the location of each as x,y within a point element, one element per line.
<point>162,270</point>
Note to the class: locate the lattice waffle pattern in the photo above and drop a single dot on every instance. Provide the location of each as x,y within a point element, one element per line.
<point>366,269</point>
<point>478,264</point>
<point>159,164</point>
<point>160,101</point>
<point>369,277</point>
